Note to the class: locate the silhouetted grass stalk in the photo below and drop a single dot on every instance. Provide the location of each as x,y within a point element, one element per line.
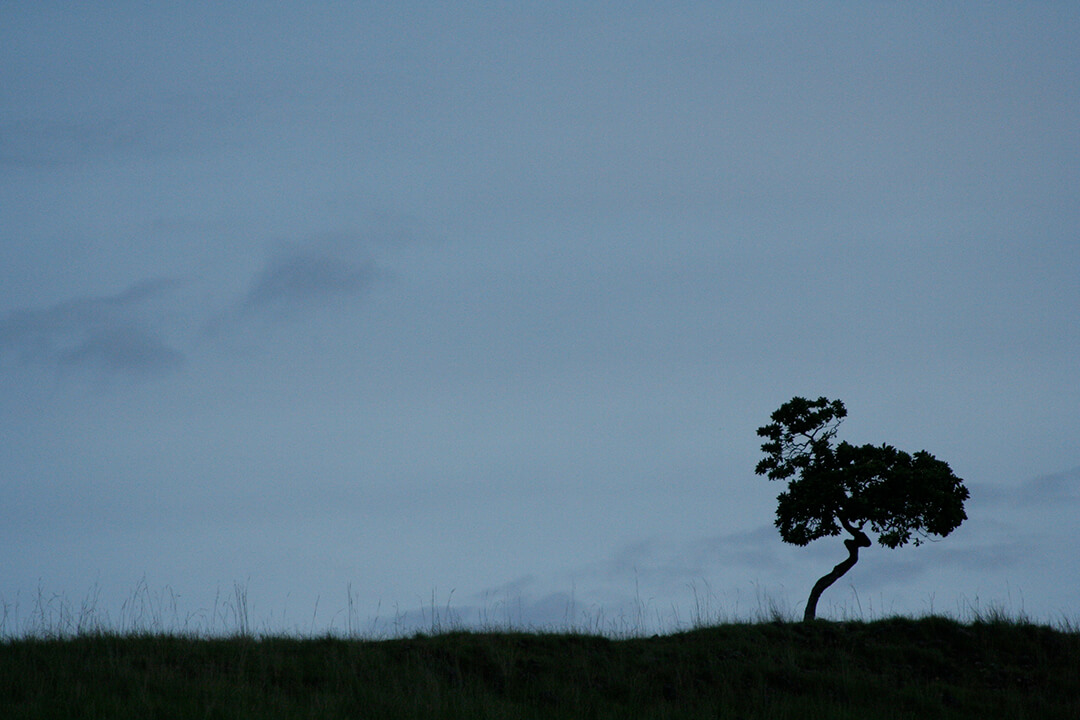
<point>148,612</point>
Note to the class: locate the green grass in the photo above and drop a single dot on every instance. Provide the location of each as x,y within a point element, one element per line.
<point>930,667</point>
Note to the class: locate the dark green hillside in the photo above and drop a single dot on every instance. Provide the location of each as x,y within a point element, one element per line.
<point>897,668</point>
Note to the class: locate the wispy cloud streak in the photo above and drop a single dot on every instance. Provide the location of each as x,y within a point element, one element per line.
<point>124,350</point>
<point>113,334</point>
<point>306,278</point>
<point>133,332</point>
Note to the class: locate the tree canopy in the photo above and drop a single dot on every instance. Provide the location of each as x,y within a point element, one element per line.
<point>899,497</point>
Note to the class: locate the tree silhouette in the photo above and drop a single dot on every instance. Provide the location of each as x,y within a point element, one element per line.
<point>900,497</point>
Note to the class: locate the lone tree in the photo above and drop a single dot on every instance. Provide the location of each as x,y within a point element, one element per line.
<point>898,496</point>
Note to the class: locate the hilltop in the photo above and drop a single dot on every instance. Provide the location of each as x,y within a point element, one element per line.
<point>893,668</point>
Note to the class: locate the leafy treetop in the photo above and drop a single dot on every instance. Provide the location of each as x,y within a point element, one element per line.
<point>899,496</point>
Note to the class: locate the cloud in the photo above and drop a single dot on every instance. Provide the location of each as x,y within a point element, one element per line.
<point>302,282</point>
<point>112,334</point>
<point>758,556</point>
<point>128,333</point>
<point>306,278</point>
<point>1058,489</point>
<point>1046,491</point>
<point>160,124</point>
<point>657,564</point>
<point>129,350</point>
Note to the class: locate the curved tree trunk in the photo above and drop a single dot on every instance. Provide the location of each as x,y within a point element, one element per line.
<point>860,540</point>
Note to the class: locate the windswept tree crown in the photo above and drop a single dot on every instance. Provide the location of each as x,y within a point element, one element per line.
<point>898,496</point>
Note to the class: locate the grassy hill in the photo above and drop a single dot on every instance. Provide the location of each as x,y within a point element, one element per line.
<point>894,668</point>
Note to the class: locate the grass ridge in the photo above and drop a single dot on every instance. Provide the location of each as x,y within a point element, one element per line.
<point>887,668</point>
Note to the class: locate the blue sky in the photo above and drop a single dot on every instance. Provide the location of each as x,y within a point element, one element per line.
<point>485,301</point>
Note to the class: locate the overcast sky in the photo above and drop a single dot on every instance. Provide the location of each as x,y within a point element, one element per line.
<point>481,304</point>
